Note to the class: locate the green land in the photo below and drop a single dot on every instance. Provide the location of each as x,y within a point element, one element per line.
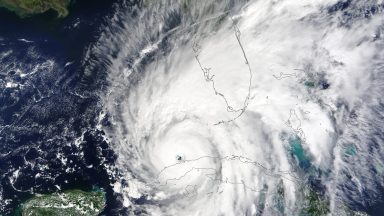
<point>26,8</point>
<point>314,205</point>
<point>68,203</point>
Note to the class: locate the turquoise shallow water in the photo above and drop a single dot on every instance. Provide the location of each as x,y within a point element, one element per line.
<point>297,151</point>
<point>351,150</point>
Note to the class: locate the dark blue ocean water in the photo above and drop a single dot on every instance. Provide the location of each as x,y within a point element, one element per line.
<point>49,109</point>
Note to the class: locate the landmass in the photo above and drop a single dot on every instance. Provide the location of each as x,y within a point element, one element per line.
<point>26,8</point>
<point>69,203</point>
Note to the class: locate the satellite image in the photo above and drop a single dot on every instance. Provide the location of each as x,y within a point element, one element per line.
<point>192,107</point>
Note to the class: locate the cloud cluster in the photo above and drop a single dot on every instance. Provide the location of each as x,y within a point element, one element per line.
<point>292,69</point>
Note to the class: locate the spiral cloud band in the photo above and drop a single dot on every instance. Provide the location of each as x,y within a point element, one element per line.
<point>245,108</point>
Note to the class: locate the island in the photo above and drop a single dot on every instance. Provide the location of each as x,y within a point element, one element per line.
<point>69,203</point>
<point>27,8</point>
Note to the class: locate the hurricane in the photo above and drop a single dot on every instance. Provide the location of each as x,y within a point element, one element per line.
<point>244,107</point>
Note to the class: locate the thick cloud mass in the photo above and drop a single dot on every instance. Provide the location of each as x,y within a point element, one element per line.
<point>245,108</point>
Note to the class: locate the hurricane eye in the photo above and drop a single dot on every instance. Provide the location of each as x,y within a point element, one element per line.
<point>179,157</point>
